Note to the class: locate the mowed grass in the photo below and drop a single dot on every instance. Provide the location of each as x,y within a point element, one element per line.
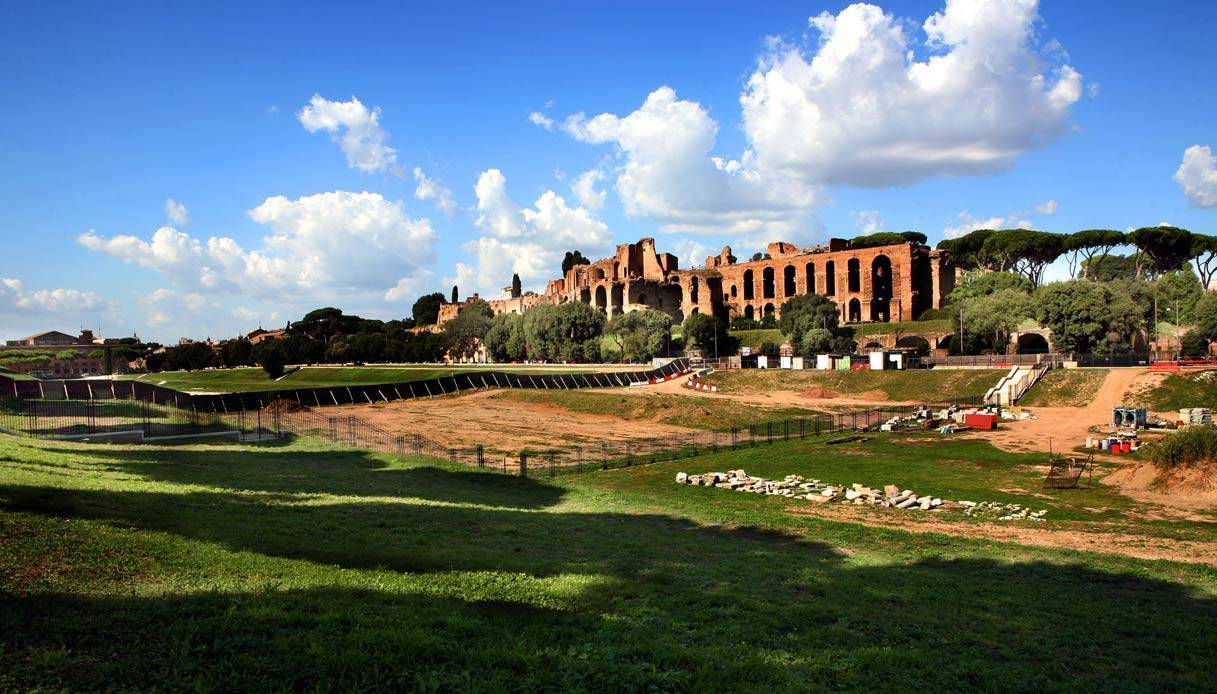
<point>302,566</point>
<point>1178,391</point>
<point>914,386</point>
<point>1065,388</point>
<point>255,379</point>
<point>677,410</point>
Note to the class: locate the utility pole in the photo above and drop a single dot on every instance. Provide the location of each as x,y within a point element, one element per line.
<point>961,347</point>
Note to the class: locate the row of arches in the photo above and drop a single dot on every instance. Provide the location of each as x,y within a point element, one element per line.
<point>880,280</point>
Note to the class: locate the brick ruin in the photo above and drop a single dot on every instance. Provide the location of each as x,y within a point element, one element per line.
<point>880,284</point>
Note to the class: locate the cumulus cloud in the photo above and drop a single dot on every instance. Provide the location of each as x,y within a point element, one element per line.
<point>525,240</point>
<point>355,129</point>
<point>585,191</point>
<point>1197,176</point>
<point>430,189</point>
<point>541,120</point>
<point>670,173</point>
<point>166,306</point>
<point>861,109</point>
<point>868,221</point>
<point>1047,207</point>
<point>15,299</point>
<point>968,224</point>
<point>176,213</point>
<point>360,244</point>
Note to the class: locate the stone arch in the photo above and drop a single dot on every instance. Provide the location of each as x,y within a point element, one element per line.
<point>585,295</point>
<point>873,344</point>
<point>788,282</point>
<point>642,299</point>
<point>749,313</point>
<point>915,343</point>
<point>767,283</point>
<point>881,277</point>
<point>880,310</point>
<point>733,291</point>
<point>597,274</point>
<point>853,276</point>
<point>1032,343</point>
<point>601,298</point>
<point>748,285</point>
<point>855,311</point>
<point>830,278</point>
<point>616,270</point>
<point>618,297</point>
<point>693,290</point>
<point>811,278</point>
<point>769,309</point>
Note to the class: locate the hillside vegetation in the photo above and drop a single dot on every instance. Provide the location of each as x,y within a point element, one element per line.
<point>676,410</point>
<point>1065,388</point>
<point>302,567</point>
<point>1176,391</point>
<point>914,386</point>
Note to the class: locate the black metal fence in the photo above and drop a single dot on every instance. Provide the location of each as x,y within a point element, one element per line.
<point>65,419</point>
<point>331,395</point>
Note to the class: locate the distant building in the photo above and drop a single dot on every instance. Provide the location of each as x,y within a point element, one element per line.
<point>261,335</point>
<point>51,338</point>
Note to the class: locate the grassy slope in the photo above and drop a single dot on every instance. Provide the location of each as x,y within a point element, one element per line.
<point>1177,391</point>
<point>755,338</point>
<point>904,327</point>
<point>896,385</point>
<point>300,566</point>
<point>252,379</point>
<point>684,411</point>
<point>1065,388</point>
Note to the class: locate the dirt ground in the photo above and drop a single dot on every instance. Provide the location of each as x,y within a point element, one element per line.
<point>499,423</point>
<point>815,398</point>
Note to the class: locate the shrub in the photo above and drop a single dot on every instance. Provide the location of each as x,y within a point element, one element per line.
<point>744,323</point>
<point>1194,344</point>
<point>1195,444</point>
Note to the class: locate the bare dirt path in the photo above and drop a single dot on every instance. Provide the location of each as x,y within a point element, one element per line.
<point>1099,539</point>
<point>498,423</point>
<point>775,398</point>
<point>1063,428</point>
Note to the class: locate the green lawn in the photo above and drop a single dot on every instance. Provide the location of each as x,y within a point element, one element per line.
<point>1177,391</point>
<point>916,386</point>
<point>253,379</point>
<point>302,566</point>
<point>912,327</point>
<point>683,411</point>
<point>1065,388</point>
<point>755,338</point>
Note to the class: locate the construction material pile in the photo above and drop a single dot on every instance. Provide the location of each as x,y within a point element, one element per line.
<point>891,496</point>
<point>1196,415</point>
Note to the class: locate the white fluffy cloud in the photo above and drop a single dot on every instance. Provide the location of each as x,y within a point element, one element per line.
<point>1047,207</point>
<point>585,191</point>
<point>429,189</point>
<point>1197,176</point>
<point>541,120</point>
<point>14,299</point>
<point>868,221</point>
<point>353,128</point>
<point>670,174</point>
<point>968,223</point>
<point>358,244</point>
<point>528,241</point>
<point>165,306</point>
<point>861,109</point>
<point>176,213</point>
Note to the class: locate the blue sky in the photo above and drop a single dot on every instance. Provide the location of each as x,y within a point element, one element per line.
<point>290,136</point>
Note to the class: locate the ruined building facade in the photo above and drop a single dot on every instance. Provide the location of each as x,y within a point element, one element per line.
<point>884,283</point>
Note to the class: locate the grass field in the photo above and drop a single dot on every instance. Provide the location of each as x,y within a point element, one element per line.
<point>301,566</point>
<point>1177,391</point>
<point>876,385</point>
<point>1065,388</point>
<point>254,379</point>
<point>683,411</point>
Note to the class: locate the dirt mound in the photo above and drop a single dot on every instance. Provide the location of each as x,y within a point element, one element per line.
<point>1188,487</point>
<point>819,393</point>
<point>284,406</point>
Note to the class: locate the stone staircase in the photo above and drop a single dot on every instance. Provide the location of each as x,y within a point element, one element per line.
<point>1017,381</point>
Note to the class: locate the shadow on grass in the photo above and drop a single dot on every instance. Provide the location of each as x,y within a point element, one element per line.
<point>334,472</point>
<point>669,605</point>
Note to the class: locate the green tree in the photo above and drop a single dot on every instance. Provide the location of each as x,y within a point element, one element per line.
<point>1024,251</point>
<point>888,238</point>
<point>1177,293</point>
<point>566,332</point>
<point>997,315</point>
<point>641,335</point>
<point>455,295</point>
<point>516,289</point>
<point>1082,313</point>
<point>1084,247</point>
<point>1194,344</point>
<point>271,358</point>
<point>1206,316</point>
<point>808,312</point>
<point>1160,249</point>
<point>107,361</point>
<point>465,332</point>
<point>238,352</point>
<point>1108,268</point>
<point>426,308</point>
<point>967,251</point>
<point>571,259</point>
<point>1204,258</point>
<point>977,284</point>
<point>504,339</point>
<point>703,331</point>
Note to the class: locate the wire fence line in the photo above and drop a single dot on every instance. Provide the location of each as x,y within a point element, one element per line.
<point>141,420</point>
